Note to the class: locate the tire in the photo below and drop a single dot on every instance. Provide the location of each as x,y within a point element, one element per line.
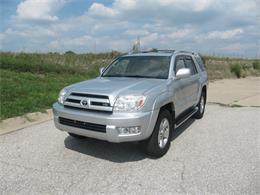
<point>153,146</point>
<point>76,136</point>
<point>201,105</point>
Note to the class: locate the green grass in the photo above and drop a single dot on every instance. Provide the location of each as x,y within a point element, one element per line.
<point>221,68</point>
<point>27,92</point>
<point>236,69</point>
<point>53,62</point>
<point>31,82</point>
<point>256,65</point>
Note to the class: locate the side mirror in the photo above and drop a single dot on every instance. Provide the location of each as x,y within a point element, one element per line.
<point>101,70</point>
<point>183,73</point>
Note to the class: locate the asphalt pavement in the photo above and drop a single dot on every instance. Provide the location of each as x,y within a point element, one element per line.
<point>218,154</point>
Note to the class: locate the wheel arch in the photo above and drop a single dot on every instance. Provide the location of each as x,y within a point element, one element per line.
<point>170,107</point>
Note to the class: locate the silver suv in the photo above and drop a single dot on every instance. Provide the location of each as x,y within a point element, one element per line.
<point>138,97</point>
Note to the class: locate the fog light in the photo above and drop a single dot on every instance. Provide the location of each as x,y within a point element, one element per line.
<point>129,130</point>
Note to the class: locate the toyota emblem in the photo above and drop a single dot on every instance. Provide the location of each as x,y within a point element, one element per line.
<point>84,102</point>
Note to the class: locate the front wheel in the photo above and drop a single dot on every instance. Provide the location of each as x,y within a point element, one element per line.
<point>159,142</point>
<point>201,106</point>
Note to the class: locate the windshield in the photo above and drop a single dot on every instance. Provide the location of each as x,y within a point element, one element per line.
<point>139,67</point>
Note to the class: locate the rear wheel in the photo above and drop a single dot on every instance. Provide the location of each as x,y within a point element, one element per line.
<point>201,106</point>
<point>159,142</point>
<point>76,136</point>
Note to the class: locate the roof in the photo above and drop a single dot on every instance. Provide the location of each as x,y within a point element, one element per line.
<point>149,54</point>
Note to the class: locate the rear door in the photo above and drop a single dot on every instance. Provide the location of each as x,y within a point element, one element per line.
<point>193,84</point>
<point>179,87</point>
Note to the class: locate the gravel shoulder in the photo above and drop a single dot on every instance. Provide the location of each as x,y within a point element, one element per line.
<point>216,155</point>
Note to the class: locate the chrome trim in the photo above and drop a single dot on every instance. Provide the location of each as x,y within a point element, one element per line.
<point>91,100</point>
<point>99,100</point>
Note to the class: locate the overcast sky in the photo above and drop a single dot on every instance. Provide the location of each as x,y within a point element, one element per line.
<point>222,27</point>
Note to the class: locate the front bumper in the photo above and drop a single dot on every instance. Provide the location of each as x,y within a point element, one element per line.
<point>146,120</point>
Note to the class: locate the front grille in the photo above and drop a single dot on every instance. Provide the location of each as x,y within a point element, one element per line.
<point>72,100</point>
<point>83,125</point>
<point>89,95</point>
<point>88,102</point>
<point>100,104</point>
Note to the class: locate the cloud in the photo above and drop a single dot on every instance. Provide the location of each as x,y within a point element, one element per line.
<point>54,44</point>
<point>228,34</point>
<point>236,47</point>
<point>38,9</point>
<point>198,5</point>
<point>232,47</point>
<point>1,36</point>
<point>150,39</point>
<point>202,25</point>
<point>33,32</point>
<point>181,33</point>
<point>125,4</point>
<point>89,43</point>
<point>99,10</point>
<point>137,32</point>
<point>79,41</point>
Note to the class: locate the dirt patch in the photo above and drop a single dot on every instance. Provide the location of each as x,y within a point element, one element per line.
<point>235,92</point>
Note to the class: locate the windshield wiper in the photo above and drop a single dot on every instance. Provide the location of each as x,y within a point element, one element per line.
<point>113,75</point>
<point>133,76</point>
<point>138,76</point>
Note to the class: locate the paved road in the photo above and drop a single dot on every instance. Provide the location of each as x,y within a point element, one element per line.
<point>218,154</point>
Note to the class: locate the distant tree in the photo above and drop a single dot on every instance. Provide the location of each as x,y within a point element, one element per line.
<point>70,52</point>
<point>114,54</point>
<point>154,50</point>
<point>53,53</point>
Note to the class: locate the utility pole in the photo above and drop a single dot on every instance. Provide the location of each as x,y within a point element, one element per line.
<point>137,46</point>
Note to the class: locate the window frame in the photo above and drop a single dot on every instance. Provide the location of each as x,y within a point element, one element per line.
<point>185,57</point>
<point>178,57</point>
<point>201,65</point>
<point>188,57</point>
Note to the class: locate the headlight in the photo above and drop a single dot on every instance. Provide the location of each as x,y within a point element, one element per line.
<point>62,96</point>
<point>129,103</point>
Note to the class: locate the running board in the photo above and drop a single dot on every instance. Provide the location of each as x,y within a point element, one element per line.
<point>183,119</point>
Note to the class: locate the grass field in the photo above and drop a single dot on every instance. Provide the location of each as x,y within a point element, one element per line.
<point>31,82</point>
<point>220,68</point>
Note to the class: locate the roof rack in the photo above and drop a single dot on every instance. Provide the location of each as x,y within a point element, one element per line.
<point>183,51</point>
<point>166,50</point>
<point>158,50</point>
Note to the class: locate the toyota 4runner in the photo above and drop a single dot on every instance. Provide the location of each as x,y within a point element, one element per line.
<point>138,97</point>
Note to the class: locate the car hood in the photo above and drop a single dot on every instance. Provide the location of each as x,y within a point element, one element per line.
<point>113,87</point>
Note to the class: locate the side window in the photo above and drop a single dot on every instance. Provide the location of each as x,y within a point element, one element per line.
<point>179,63</point>
<point>190,64</point>
<point>200,62</point>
